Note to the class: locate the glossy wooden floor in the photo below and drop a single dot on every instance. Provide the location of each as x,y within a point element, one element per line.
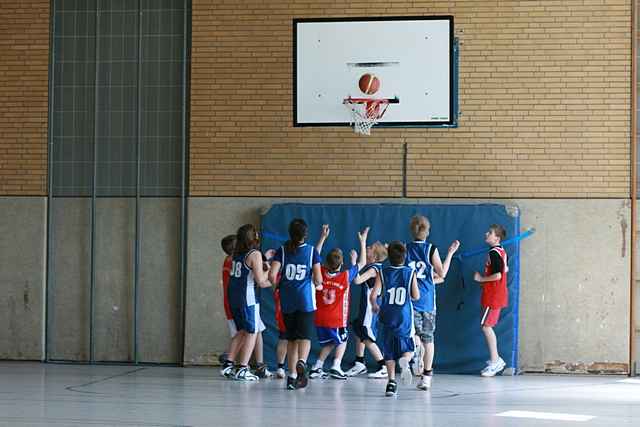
<point>33,394</point>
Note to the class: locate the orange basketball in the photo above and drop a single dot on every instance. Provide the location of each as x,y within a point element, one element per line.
<point>369,84</point>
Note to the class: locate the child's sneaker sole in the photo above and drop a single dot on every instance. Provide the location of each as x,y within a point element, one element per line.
<point>301,370</point>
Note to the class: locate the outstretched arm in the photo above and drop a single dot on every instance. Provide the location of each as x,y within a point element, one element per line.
<point>369,274</point>
<point>324,233</point>
<point>362,237</point>
<point>490,278</point>
<point>447,261</point>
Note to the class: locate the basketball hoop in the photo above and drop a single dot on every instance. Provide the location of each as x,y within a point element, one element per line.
<point>366,112</point>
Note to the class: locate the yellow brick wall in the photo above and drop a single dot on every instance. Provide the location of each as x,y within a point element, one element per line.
<point>544,91</point>
<point>24,59</point>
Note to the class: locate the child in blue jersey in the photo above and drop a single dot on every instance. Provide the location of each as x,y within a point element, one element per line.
<point>365,326</point>
<point>247,275</point>
<point>397,285</point>
<point>424,258</point>
<point>298,264</point>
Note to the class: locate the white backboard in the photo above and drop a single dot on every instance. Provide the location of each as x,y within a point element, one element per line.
<point>411,56</point>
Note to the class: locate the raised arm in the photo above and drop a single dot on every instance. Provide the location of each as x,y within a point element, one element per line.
<point>316,276</point>
<point>447,261</point>
<point>437,263</point>
<point>362,237</point>
<point>324,233</point>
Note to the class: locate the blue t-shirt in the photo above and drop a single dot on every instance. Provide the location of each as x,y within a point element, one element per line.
<point>242,290</point>
<point>419,258</point>
<point>396,309</point>
<point>297,291</point>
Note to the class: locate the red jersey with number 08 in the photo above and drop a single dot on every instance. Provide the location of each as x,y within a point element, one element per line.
<point>226,272</point>
<point>333,300</point>
<point>495,294</point>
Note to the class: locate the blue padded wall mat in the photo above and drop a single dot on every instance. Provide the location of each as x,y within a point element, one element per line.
<point>460,344</point>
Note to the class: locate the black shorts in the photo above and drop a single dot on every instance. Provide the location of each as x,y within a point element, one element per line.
<point>299,325</point>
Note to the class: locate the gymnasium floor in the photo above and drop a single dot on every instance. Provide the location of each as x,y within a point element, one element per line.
<point>33,394</point>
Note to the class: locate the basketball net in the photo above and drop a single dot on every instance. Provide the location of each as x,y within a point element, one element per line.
<point>365,113</point>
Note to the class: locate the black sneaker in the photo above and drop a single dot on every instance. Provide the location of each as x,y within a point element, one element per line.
<point>392,389</point>
<point>291,383</point>
<point>337,374</point>
<point>301,370</point>
<point>317,373</point>
<point>262,371</point>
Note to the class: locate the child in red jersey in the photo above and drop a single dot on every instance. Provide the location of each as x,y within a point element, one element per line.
<point>281,349</point>
<point>332,315</point>
<point>495,295</point>
<point>228,243</point>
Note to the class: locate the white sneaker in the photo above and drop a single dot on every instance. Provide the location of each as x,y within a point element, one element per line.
<point>244,374</point>
<point>357,369</point>
<point>405,372</point>
<point>318,373</point>
<point>263,372</point>
<point>425,382</point>
<point>280,374</point>
<point>494,368</point>
<point>380,373</point>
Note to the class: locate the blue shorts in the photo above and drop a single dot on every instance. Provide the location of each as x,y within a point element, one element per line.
<point>328,336</point>
<point>247,318</point>
<point>393,347</point>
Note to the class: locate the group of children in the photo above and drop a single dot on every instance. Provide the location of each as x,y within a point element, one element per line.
<point>398,300</point>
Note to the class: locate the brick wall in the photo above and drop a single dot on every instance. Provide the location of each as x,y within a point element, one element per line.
<point>544,91</point>
<point>24,59</point>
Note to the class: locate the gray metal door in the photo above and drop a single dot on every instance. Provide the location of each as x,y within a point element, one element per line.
<point>117,174</point>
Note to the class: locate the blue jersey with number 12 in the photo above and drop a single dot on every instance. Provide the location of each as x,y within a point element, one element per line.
<point>396,310</point>
<point>418,258</point>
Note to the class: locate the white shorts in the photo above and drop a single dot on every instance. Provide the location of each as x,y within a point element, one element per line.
<point>261,326</point>
<point>232,328</point>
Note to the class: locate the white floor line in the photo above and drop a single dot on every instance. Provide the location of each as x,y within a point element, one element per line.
<point>630,381</point>
<point>545,416</point>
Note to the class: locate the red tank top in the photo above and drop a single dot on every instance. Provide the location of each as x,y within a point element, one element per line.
<point>495,294</point>
<point>278,310</point>
<point>333,300</point>
<point>226,272</point>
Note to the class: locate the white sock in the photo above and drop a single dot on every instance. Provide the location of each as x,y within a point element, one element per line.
<point>336,365</point>
<point>318,365</point>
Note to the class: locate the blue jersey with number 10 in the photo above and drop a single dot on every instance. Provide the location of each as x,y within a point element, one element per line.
<point>297,292</point>
<point>396,310</point>
<point>418,258</point>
